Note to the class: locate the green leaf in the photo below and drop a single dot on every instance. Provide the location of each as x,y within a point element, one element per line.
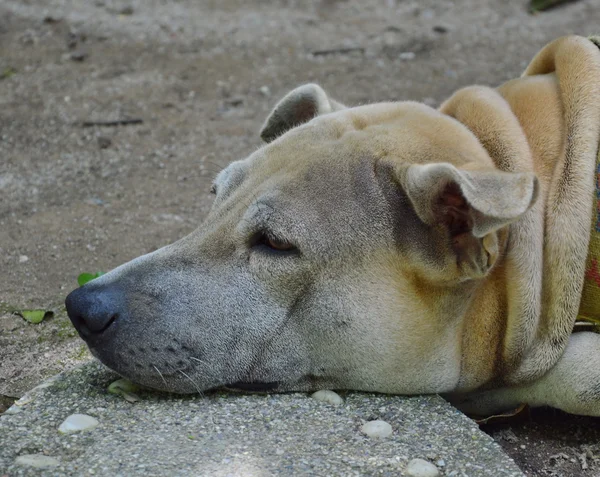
<point>7,73</point>
<point>84,278</point>
<point>541,5</point>
<point>127,389</point>
<point>88,277</point>
<point>34,316</point>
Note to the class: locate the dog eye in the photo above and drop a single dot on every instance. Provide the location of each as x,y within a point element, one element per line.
<point>274,244</point>
<point>279,245</point>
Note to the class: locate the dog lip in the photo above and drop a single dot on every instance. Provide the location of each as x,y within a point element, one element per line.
<point>253,387</point>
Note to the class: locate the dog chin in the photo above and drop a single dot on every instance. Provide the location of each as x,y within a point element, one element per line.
<point>179,384</point>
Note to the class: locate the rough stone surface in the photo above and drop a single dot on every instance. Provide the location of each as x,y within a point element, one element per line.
<point>421,468</point>
<point>220,434</point>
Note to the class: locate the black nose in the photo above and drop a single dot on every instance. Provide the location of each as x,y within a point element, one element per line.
<point>92,310</point>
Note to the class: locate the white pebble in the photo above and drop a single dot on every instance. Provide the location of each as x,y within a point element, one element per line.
<point>23,258</point>
<point>77,422</point>
<point>377,429</point>
<point>327,396</point>
<point>37,461</point>
<point>421,468</point>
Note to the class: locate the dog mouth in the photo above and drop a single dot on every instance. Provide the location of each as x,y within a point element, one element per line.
<point>254,387</point>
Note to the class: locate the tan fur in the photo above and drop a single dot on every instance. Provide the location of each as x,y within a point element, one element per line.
<point>576,64</point>
<point>437,250</point>
<point>550,108</point>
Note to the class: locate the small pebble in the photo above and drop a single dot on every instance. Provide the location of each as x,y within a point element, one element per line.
<point>78,55</point>
<point>377,429</point>
<point>235,102</point>
<point>104,142</point>
<point>330,397</point>
<point>76,423</point>
<point>23,258</point>
<point>37,461</point>
<point>265,91</point>
<point>421,468</point>
<point>94,201</point>
<point>51,19</point>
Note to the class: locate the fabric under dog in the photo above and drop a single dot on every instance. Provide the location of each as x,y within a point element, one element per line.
<point>589,308</point>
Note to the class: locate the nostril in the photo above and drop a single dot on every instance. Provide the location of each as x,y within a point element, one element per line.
<point>79,324</point>
<point>111,320</point>
<point>83,329</point>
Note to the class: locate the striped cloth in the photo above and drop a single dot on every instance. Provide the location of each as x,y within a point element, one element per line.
<point>589,308</point>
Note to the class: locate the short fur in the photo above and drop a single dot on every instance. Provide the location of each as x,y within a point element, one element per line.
<point>436,251</point>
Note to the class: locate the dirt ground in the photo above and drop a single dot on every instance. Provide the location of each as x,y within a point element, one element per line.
<point>201,76</point>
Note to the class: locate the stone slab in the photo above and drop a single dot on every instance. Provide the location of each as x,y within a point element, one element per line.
<point>221,434</point>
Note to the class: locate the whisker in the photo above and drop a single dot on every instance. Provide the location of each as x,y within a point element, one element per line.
<point>198,359</point>
<point>162,377</point>
<point>193,382</point>
<point>219,167</point>
<point>207,369</point>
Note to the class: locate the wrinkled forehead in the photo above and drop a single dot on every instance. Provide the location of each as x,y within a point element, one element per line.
<point>308,182</point>
<point>331,149</point>
<point>316,200</point>
<point>335,171</point>
<point>330,183</point>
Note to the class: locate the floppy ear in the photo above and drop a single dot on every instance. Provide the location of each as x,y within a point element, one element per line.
<point>478,201</point>
<point>471,206</point>
<point>297,107</point>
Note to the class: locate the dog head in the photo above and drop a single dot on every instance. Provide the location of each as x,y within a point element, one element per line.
<point>336,256</point>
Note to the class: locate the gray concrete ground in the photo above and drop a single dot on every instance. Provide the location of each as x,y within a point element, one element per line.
<point>238,435</point>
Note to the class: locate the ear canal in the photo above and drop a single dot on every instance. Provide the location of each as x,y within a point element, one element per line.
<point>470,206</point>
<point>480,201</point>
<point>297,107</point>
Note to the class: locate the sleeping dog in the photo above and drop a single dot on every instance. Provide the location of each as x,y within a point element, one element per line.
<point>390,247</point>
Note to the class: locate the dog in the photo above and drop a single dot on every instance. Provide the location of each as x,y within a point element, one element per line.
<point>391,247</point>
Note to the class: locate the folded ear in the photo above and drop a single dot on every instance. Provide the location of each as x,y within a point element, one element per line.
<point>478,201</point>
<point>470,206</point>
<point>297,107</point>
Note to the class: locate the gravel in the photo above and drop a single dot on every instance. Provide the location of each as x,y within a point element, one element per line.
<point>221,434</point>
